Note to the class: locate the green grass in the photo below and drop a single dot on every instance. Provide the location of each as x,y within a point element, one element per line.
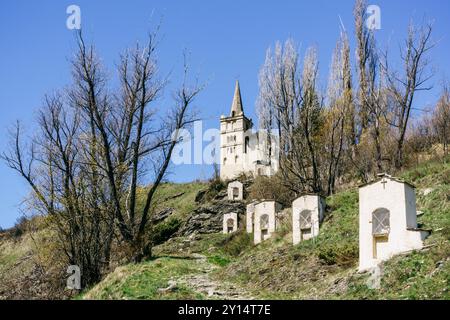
<point>322,268</point>
<point>219,249</point>
<point>325,268</point>
<point>12,251</point>
<point>277,270</point>
<point>411,277</point>
<point>142,281</point>
<point>219,260</point>
<point>186,202</point>
<point>178,196</point>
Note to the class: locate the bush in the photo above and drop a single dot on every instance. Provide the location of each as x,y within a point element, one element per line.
<point>213,190</point>
<point>219,260</point>
<point>338,254</point>
<point>284,224</point>
<point>237,243</point>
<point>19,229</point>
<point>446,177</point>
<point>271,188</point>
<point>163,231</point>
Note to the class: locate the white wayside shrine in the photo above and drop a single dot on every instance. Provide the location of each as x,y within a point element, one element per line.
<point>387,221</point>
<point>265,217</point>
<point>242,150</point>
<point>230,223</point>
<point>307,215</point>
<point>235,191</point>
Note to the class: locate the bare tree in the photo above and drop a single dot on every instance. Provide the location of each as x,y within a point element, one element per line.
<point>441,119</point>
<point>371,96</point>
<point>95,150</point>
<point>364,50</point>
<point>290,102</point>
<point>279,92</point>
<point>57,171</point>
<point>339,116</point>
<point>301,167</point>
<point>131,135</point>
<point>404,87</point>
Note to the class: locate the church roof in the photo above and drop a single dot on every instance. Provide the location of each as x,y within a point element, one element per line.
<point>236,108</point>
<point>382,176</point>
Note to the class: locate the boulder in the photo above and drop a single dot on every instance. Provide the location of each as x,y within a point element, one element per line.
<point>208,218</point>
<point>200,196</point>
<point>162,215</point>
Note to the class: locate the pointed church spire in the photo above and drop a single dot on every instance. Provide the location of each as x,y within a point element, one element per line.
<point>237,108</point>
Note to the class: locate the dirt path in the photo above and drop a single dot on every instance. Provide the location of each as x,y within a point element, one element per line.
<point>212,289</point>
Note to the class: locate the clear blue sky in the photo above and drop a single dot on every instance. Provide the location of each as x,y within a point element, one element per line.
<point>227,41</point>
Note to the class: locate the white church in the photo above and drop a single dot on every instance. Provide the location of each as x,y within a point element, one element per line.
<point>242,150</point>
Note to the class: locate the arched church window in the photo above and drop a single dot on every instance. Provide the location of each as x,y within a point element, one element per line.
<point>380,222</point>
<point>230,225</point>
<point>305,220</point>
<point>264,220</point>
<point>224,161</point>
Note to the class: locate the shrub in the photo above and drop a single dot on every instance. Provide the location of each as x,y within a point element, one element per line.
<point>215,186</point>
<point>446,177</point>
<point>219,260</point>
<point>337,254</point>
<point>163,231</point>
<point>19,229</point>
<point>271,188</point>
<point>237,243</point>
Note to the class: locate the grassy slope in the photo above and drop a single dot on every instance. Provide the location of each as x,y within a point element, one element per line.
<point>142,281</point>
<point>18,256</point>
<point>323,268</point>
<point>11,253</point>
<point>182,204</point>
<point>24,262</point>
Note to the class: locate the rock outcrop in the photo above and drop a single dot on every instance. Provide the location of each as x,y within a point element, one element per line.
<point>208,218</point>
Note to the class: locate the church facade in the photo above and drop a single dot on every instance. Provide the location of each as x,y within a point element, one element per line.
<point>242,150</point>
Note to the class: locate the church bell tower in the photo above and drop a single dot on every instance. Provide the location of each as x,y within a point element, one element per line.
<point>234,143</point>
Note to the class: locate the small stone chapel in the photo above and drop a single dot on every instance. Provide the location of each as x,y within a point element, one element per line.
<point>235,191</point>
<point>307,215</point>
<point>387,221</point>
<point>265,216</point>
<point>230,223</point>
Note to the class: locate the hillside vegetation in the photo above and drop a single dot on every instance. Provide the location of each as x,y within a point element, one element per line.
<point>323,268</point>
<point>214,266</point>
<point>30,267</point>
